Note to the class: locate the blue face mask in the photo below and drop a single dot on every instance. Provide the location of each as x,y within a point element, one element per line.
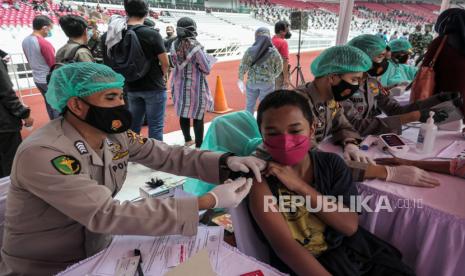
<point>90,33</point>
<point>49,34</point>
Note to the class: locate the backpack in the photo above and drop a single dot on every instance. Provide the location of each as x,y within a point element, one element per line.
<point>128,58</point>
<point>71,58</point>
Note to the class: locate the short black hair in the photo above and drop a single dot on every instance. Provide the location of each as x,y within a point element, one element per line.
<point>280,98</point>
<point>41,21</point>
<point>280,26</point>
<point>136,8</point>
<point>73,25</point>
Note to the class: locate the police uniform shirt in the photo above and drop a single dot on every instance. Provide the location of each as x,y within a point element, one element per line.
<point>60,207</point>
<point>328,117</point>
<point>371,100</point>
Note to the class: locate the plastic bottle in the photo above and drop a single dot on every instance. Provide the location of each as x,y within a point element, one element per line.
<point>368,141</point>
<point>427,135</point>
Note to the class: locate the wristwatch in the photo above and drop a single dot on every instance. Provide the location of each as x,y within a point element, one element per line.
<point>225,172</point>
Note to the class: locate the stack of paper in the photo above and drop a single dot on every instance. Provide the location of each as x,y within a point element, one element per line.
<point>160,254</point>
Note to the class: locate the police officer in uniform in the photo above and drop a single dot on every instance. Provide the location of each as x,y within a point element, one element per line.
<point>337,72</point>
<point>60,207</point>
<point>371,99</point>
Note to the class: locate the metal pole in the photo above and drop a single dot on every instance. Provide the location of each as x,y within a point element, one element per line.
<point>345,17</point>
<point>298,53</point>
<point>445,5</point>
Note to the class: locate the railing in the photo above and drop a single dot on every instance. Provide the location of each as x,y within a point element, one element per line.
<point>21,75</point>
<point>236,50</point>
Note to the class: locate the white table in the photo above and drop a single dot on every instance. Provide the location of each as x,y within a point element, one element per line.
<point>427,225</point>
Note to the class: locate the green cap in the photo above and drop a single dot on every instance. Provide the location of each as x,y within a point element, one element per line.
<point>372,45</point>
<point>399,45</point>
<point>80,79</point>
<point>340,60</point>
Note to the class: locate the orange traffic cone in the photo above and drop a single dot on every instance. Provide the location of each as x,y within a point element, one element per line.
<point>221,105</point>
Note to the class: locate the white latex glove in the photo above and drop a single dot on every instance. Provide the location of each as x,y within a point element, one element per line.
<point>241,86</point>
<point>412,176</point>
<point>245,164</point>
<point>231,193</point>
<point>352,152</point>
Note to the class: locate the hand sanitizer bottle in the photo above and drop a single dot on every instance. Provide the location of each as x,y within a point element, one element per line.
<point>427,135</point>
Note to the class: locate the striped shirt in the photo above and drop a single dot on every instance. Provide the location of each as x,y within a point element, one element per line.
<point>191,94</point>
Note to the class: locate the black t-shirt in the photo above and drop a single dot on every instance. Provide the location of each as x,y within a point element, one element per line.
<point>331,177</point>
<point>152,43</point>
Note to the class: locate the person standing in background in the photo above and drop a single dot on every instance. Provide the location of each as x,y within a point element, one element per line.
<point>11,114</point>
<point>168,41</point>
<point>262,63</point>
<point>282,32</point>
<point>191,94</point>
<point>146,95</point>
<point>404,36</point>
<point>380,33</point>
<point>427,37</point>
<point>94,41</point>
<point>170,37</point>
<point>416,39</point>
<point>385,37</point>
<point>75,28</point>
<point>41,55</point>
<point>394,36</point>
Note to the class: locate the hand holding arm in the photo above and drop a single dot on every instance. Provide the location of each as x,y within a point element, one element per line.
<point>246,164</point>
<point>344,222</point>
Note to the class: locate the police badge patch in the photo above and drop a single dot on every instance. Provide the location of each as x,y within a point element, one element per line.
<point>66,164</point>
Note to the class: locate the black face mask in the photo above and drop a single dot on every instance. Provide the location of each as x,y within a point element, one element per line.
<point>402,59</point>
<point>378,68</point>
<point>288,35</point>
<point>110,120</point>
<point>342,87</point>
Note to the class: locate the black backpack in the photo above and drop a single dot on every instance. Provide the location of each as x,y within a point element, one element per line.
<point>128,58</point>
<point>71,58</point>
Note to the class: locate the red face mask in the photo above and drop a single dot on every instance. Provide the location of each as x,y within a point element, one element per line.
<point>287,149</point>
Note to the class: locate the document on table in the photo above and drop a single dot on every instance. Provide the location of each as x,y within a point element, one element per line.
<point>455,150</point>
<point>158,252</point>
